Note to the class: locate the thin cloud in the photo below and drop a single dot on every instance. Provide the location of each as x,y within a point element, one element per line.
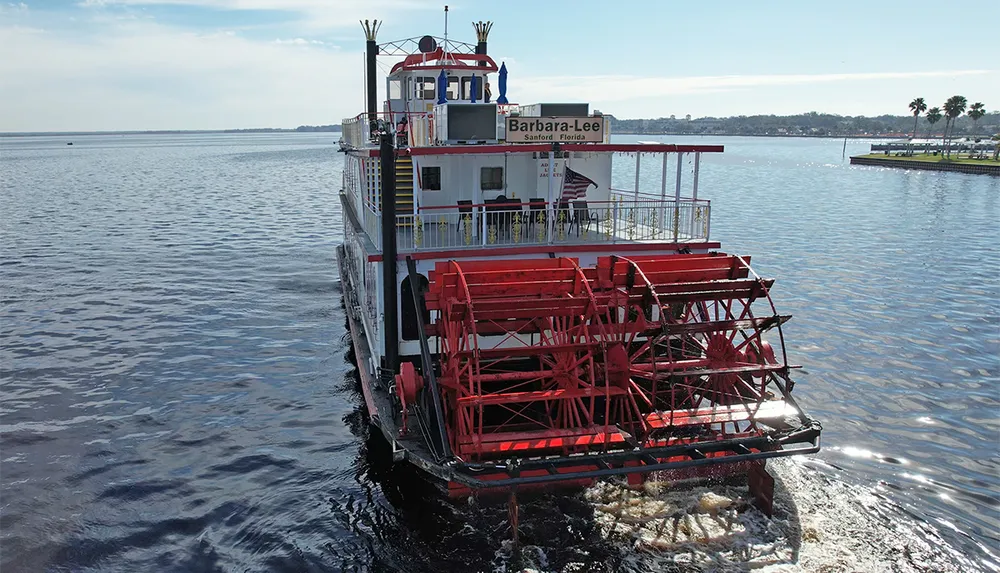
<point>140,75</point>
<point>622,88</point>
<point>316,14</point>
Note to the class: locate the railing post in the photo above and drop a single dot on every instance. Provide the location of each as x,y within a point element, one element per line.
<point>482,223</point>
<point>638,156</point>
<point>614,222</point>
<point>550,225</point>
<point>663,192</point>
<point>697,163</point>
<point>677,197</point>
<point>680,165</point>
<point>708,220</point>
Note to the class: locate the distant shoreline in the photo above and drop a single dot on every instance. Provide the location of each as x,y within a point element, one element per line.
<point>270,131</point>
<point>786,135</point>
<point>252,131</point>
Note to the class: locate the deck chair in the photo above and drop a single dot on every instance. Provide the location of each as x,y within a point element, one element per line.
<point>582,216</point>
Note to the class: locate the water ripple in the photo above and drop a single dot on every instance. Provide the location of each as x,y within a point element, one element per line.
<point>175,394</point>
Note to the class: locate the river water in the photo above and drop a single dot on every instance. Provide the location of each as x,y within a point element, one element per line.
<point>177,395</point>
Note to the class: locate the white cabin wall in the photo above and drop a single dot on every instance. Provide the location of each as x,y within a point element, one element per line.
<point>524,176</point>
<point>460,178</point>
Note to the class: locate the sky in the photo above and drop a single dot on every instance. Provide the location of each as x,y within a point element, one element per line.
<point>94,65</point>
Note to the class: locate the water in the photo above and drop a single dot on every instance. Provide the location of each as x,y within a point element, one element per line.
<point>176,394</point>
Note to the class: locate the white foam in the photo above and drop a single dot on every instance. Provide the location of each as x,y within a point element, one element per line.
<point>820,524</point>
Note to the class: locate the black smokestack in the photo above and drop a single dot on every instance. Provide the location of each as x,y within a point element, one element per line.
<point>387,161</point>
<point>482,33</point>
<point>371,54</point>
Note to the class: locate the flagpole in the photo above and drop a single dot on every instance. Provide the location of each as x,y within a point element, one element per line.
<point>552,181</point>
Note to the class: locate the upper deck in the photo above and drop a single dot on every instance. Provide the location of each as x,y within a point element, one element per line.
<point>473,173</point>
<point>528,195</point>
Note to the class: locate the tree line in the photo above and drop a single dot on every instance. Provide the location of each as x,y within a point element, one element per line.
<point>812,123</point>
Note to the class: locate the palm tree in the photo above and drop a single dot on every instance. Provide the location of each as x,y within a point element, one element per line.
<point>933,116</point>
<point>918,107</point>
<point>954,107</point>
<point>996,152</point>
<point>976,111</point>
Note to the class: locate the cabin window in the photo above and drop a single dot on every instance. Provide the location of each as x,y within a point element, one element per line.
<point>395,89</point>
<point>467,91</point>
<point>425,88</point>
<point>452,89</point>
<point>491,178</point>
<point>430,178</point>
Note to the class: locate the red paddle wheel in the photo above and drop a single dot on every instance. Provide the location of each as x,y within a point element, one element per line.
<point>543,357</point>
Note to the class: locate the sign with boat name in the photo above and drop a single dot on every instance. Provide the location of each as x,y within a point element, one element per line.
<point>555,129</point>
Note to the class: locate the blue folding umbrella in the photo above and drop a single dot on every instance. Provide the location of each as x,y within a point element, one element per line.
<point>503,84</point>
<point>472,88</point>
<point>442,87</point>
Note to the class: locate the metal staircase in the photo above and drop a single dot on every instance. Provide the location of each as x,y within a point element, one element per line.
<point>404,185</point>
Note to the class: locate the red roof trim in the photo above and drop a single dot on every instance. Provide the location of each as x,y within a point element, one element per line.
<point>643,147</point>
<point>420,61</point>
<point>585,147</point>
<point>487,69</point>
<point>544,249</point>
<point>470,149</point>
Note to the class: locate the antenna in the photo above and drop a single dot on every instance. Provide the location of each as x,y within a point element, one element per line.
<point>445,48</point>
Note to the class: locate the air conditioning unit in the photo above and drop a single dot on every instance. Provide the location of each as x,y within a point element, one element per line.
<point>460,122</point>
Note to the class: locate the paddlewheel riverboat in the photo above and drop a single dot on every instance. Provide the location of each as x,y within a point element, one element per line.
<point>518,319</point>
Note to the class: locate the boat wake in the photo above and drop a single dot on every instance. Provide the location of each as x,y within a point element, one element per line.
<point>820,524</point>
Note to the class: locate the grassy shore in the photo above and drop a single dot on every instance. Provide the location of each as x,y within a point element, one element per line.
<point>934,159</point>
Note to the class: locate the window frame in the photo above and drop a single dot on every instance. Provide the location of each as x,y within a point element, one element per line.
<point>427,88</point>
<point>426,178</point>
<point>467,83</point>
<point>395,89</point>
<point>484,178</point>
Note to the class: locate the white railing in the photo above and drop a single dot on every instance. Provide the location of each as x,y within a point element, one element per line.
<point>471,226</point>
<point>372,221</point>
<point>354,130</point>
<point>420,129</point>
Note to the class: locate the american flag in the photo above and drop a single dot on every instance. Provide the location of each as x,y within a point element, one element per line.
<point>574,186</point>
